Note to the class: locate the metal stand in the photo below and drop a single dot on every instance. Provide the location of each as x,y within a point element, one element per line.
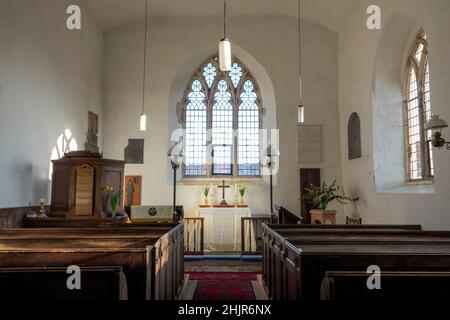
<point>174,208</point>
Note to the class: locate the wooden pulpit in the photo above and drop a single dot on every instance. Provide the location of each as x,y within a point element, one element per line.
<point>78,181</point>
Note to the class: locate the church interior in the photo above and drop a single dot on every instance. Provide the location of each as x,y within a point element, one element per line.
<point>256,150</point>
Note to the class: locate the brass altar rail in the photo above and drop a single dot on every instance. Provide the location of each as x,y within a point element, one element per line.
<point>251,228</point>
<point>195,236</point>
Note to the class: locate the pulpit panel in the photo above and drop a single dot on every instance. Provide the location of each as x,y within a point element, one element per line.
<point>84,191</point>
<point>60,188</point>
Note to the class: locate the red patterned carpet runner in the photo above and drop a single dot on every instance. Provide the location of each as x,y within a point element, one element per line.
<point>223,286</point>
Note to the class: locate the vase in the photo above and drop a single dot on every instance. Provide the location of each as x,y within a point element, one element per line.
<point>113,209</point>
<point>242,201</point>
<point>206,202</point>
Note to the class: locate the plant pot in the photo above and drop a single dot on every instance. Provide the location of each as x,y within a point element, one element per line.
<point>323,216</point>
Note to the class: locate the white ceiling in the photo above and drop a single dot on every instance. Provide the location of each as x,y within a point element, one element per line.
<point>112,13</point>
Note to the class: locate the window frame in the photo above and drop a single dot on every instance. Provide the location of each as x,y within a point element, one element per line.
<point>420,71</point>
<point>209,101</point>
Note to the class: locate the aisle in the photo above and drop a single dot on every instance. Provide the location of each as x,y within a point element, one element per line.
<point>224,286</point>
<point>223,280</point>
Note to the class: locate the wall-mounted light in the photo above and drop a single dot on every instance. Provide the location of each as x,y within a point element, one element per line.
<point>435,125</point>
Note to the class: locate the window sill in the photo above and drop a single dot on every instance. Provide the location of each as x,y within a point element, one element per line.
<point>422,187</point>
<point>228,180</point>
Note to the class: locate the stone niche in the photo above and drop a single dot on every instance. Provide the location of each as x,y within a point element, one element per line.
<point>354,137</point>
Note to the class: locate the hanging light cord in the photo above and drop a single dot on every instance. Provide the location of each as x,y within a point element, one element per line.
<point>145,58</point>
<point>224,19</point>
<point>300,54</point>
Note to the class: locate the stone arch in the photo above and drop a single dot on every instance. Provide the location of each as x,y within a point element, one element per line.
<point>387,103</point>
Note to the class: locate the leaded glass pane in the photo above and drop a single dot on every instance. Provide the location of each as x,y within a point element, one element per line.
<point>419,52</point>
<point>427,113</point>
<point>209,73</point>
<point>236,74</point>
<point>248,119</point>
<point>222,130</point>
<point>418,105</point>
<point>414,132</point>
<point>195,140</point>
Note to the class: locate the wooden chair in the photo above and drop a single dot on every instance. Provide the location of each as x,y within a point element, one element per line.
<point>353,221</point>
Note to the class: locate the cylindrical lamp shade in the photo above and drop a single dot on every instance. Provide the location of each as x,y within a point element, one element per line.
<point>143,123</point>
<point>225,55</point>
<point>301,114</point>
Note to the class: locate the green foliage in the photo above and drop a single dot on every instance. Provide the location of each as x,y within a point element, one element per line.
<point>242,189</point>
<point>114,197</point>
<point>206,190</point>
<point>321,197</point>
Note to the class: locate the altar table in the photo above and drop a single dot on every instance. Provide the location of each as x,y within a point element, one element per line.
<point>223,228</point>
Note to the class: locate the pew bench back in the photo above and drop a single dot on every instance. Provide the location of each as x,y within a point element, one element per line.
<point>97,283</point>
<point>350,285</point>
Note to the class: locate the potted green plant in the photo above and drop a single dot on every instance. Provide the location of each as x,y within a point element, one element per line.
<point>319,198</point>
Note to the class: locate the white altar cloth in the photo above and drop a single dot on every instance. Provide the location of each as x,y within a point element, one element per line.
<point>222,228</point>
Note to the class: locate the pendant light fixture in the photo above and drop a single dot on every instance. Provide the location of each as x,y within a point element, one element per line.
<point>143,117</point>
<point>301,108</point>
<point>225,45</point>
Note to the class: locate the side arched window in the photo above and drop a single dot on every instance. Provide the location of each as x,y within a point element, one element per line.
<point>419,152</point>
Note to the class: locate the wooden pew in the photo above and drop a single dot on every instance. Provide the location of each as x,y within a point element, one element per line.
<point>294,268</point>
<point>162,250</point>
<point>136,262</point>
<point>87,223</point>
<point>97,283</point>
<point>298,227</point>
<point>365,236</point>
<point>351,285</point>
<point>290,252</point>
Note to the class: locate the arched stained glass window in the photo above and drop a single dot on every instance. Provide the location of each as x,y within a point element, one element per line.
<point>222,131</point>
<point>249,124</point>
<point>419,152</point>
<point>195,136</point>
<point>228,104</point>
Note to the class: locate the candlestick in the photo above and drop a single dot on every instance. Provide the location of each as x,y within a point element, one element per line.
<point>42,213</point>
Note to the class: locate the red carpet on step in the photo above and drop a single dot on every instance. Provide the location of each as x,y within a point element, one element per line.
<point>223,286</point>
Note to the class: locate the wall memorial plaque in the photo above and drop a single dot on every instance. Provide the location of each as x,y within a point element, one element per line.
<point>354,137</point>
<point>309,139</point>
<point>134,152</point>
